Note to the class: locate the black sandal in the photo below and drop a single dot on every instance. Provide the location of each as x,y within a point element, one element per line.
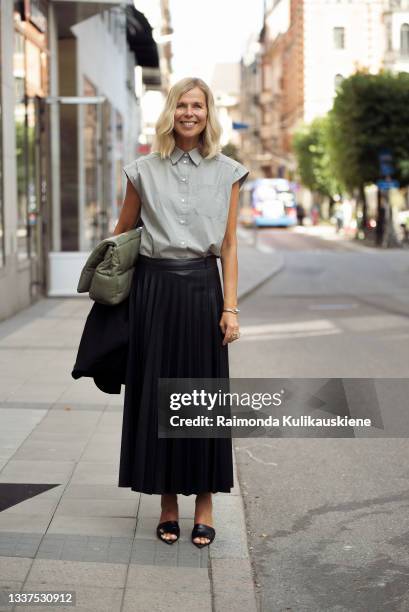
<point>203,531</point>
<point>171,527</point>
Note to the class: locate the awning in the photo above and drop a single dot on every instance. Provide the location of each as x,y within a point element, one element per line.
<point>140,40</point>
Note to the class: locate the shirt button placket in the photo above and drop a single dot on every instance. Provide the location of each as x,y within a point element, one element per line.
<point>183,190</point>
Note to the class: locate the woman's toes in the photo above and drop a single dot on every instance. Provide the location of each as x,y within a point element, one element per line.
<point>201,540</point>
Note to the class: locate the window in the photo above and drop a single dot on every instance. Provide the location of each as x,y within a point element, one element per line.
<point>339,38</point>
<point>20,118</point>
<point>338,80</point>
<point>92,211</point>
<point>404,39</point>
<point>388,27</point>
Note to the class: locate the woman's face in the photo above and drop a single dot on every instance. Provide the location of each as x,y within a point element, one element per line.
<point>190,115</point>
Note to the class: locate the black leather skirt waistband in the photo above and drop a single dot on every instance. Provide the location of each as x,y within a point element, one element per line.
<point>185,263</point>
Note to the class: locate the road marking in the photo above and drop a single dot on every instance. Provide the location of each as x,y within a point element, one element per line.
<point>331,306</point>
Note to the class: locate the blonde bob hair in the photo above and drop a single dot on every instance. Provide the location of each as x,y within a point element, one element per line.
<point>209,139</point>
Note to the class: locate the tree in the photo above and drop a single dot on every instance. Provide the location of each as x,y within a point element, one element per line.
<point>313,160</point>
<point>370,113</point>
<point>231,150</point>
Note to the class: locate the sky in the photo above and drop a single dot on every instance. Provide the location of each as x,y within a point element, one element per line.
<point>211,31</point>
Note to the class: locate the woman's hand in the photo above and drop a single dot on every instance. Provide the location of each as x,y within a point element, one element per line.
<point>229,325</point>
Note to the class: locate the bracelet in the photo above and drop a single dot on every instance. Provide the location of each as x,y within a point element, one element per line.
<point>233,310</point>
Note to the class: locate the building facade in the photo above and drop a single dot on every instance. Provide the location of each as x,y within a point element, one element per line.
<point>250,111</point>
<point>308,47</point>
<point>70,120</point>
<point>24,86</point>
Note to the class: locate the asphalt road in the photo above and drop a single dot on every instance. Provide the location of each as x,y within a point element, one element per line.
<point>290,239</point>
<point>327,518</point>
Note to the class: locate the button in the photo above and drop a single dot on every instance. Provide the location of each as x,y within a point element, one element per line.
<point>182,242</point>
<point>182,199</point>
<point>184,154</point>
<point>185,161</point>
<point>183,221</point>
<point>182,179</point>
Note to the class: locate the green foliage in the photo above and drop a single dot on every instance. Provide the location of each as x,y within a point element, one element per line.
<point>314,163</point>
<point>370,112</point>
<point>340,151</point>
<point>232,151</point>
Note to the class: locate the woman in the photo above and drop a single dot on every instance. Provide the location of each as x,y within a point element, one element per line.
<point>186,193</point>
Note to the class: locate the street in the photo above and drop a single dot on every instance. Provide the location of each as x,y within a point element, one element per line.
<point>327,518</point>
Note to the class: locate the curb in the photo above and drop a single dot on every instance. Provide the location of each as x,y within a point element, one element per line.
<point>231,573</point>
<point>277,267</point>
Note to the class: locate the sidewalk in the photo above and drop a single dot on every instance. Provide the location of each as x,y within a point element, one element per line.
<point>328,232</point>
<point>64,522</point>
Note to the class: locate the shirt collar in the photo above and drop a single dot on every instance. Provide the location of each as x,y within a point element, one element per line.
<point>194,155</point>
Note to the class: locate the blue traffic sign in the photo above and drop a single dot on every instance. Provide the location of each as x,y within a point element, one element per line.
<point>386,165</point>
<point>240,126</point>
<point>385,185</point>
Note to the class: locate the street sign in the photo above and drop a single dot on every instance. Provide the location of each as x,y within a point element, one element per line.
<point>239,126</point>
<point>386,167</point>
<point>385,185</point>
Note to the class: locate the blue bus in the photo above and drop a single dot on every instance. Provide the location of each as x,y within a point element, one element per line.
<point>272,203</point>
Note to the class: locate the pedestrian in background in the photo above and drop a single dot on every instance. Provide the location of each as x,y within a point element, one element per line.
<point>315,214</point>
<point>300,214</point>
<point>186,193</point>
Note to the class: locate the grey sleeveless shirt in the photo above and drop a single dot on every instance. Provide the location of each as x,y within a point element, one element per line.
<point>185,201</point>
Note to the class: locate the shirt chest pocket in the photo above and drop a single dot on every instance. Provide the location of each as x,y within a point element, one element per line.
<point>208,200</point>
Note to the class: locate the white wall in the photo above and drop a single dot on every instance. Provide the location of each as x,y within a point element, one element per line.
<point>364,46</point>
<point>102,61</point>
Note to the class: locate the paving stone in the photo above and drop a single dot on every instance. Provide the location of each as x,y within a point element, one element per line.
<point>6,587</point>
<point>105,473</point>
<point>150,578</point>
<point>181,554</point>
<point>93,491</point>
<point>97,598</point>
<point>42,470</point>
<point>14,569</point>
<point>34,505</point>
<point>237,600</point>
<point>68,406</point>
<point>77,573</point>
<point>124,508</point>
<point>118,527</point>
<point>37,450</point>
<point>172,601</point>
<point>13,405</point>
<point>16,544</point>
<point>24,523</point>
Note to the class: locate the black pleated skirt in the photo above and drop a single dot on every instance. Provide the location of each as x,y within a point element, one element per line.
<point>175,307</point>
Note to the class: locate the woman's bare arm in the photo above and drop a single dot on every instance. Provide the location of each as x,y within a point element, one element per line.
<point>130,211</point>
<point>229,322</point>
<point>229,251</point>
